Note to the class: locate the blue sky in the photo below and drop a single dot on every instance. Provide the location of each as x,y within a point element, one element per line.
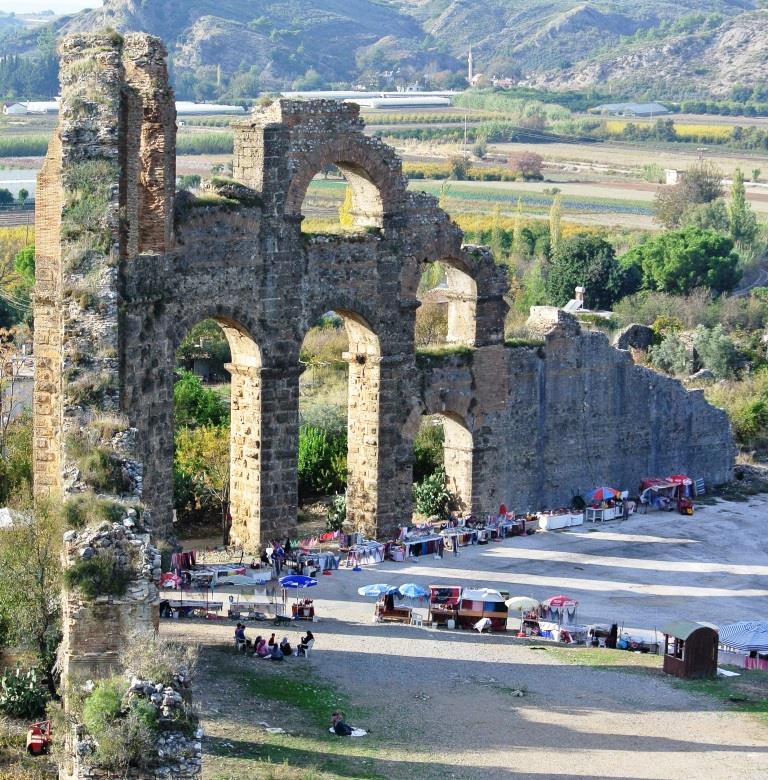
<point>59,6</point>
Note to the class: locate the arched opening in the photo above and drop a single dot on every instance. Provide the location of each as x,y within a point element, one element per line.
<point>443,444</point>
<point>341,198</point>
<point>340,386</point>
<point>217,432</point>
<point>447,314</point>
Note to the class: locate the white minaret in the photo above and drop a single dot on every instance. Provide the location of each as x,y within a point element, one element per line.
<point>470,66</point>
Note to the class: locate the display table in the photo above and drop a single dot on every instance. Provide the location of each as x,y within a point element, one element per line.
<point>600,515</point>
<point>464,536</point>
<point>365,554</point>
<point>395,615</point>
<point>417,546</point>
<point>548,522</point>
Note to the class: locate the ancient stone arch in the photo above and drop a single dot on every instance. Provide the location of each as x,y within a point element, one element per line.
<point>126,265</point>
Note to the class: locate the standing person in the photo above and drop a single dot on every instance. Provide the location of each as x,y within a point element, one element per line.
<point>625,509</point>
<point>278,556</point>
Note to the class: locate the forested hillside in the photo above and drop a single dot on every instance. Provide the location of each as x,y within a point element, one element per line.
<point>236,48</point>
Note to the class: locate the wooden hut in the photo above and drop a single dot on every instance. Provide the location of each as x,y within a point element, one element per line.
<point>690,649</point>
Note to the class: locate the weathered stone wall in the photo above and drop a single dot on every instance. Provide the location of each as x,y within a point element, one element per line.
<point>528,426</point>
<point>97,630</point>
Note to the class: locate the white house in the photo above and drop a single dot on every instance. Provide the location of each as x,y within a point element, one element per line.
<point>14,109</point>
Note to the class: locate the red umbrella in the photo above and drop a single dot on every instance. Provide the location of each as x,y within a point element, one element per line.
<point>603,493</point>
<point>559,601</point>
<point>680,479</point>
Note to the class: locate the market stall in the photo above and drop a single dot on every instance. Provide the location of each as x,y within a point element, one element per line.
<point>444,604</point>
<point>745,644</point>
<point>560,609</point>
<point>482,603</point>
<point>657,494</point>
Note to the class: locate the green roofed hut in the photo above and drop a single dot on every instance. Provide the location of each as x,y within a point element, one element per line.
<point>690,649</point>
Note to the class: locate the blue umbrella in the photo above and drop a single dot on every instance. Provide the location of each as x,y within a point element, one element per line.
<point>297,582</point>
<point>374,590</point>
<point>412,591</point>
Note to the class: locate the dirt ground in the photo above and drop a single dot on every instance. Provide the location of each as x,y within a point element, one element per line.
<point>441,703</point>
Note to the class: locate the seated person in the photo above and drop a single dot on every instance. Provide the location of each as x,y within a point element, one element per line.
<point>240,640</point>
<point>272,640</point>
<point>275,653</point>
<point>285,646</point>
<point>262,651</point>
<point>340,726</point>
<point>305,643</point>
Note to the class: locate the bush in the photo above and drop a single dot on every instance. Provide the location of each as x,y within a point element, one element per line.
<point>322,463</point>
<point>81,510</point>
<point>149,657</point>
<point>746,403</point>
<point>101,575</point>
<point>431,495</point>
<point>337,513</point>
<point>103,471</point>
<point>428,450</point>
<point>716,350</point>
<point>125,734</point>
<point>22,694</point>
<point>671,356</point>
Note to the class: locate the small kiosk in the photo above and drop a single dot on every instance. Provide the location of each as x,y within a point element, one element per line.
<point>690,649</point>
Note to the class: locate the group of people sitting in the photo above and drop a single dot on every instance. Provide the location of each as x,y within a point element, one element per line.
<point>271,648</point>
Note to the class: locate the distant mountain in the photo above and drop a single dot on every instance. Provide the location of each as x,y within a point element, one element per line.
<point>234,48</point>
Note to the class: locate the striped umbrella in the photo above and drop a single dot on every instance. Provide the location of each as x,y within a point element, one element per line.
<point>748,635</point>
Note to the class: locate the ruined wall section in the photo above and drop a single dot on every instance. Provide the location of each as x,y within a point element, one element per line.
<point>96,629</point>
<point>91,74</point>
<point>106,195</point>
<point>582,414</point>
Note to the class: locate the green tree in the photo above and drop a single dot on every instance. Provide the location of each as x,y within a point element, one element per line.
<point>497,235</point>
<point>555,231</point>
<point>322,462</point>
<point>6,197</point>
<point>196,405</point>
<point>30,583</point>
<point>459,167</point>
<point>23,195</point>
<point>589,261</point>
<point>24,264</point>
<point>678,261</point>
<point>519,245</point>
<point>203,454</point>
<point>700,184</point>
<point>742,223</point>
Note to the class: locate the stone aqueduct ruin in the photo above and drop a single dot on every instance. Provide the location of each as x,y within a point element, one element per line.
<point>125,266</point>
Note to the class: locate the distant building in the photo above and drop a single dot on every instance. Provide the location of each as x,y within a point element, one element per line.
<point>43,107</point>
<point>646,110</point>
<point>189,108</point>
<point>14,109</point>
<point>673,176</point>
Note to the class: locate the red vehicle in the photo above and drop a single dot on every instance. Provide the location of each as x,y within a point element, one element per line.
<point>39,738</point>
